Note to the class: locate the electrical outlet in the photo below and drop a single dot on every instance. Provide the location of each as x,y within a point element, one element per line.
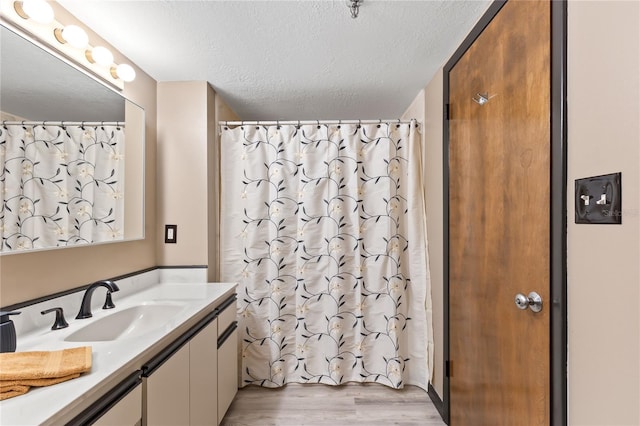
<point>170,234</point>
<point>599,199</point>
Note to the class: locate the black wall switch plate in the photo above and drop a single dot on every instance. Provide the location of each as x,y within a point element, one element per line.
<point>171,234</point>
<point>599,199</point>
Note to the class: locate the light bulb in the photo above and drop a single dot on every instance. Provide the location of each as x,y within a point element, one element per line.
<point>124,72</point>
<point>99,55</point>
<point>38,10</point>
<point>73,35</point>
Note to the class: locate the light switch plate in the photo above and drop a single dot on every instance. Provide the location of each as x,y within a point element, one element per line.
<point>171,234</point>
<point>599,199</point>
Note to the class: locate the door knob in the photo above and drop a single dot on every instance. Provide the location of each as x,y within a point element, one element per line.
<point>522,302</point>
<point>533,301</point>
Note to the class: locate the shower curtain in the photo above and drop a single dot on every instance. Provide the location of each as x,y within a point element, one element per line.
<point>323,228</point>
<point>61,185</point>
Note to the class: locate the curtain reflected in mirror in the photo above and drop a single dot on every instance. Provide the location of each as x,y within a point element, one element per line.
<point>63,154</point>
<point>61,184</point>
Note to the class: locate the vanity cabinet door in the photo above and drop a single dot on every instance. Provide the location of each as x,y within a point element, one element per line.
<point>166,392</point>
<point>203,353</point>
<point>127,412</point>
<point>227,371</point>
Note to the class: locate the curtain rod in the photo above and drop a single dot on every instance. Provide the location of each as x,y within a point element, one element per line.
<point>318,122</point>
<point>64,123</point>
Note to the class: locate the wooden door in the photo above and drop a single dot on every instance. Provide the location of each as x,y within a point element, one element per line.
<point>499,212</point>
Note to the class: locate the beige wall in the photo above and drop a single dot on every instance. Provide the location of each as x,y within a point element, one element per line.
<point>188,175</point>
<point>603,260</point>
<point>182,171</point>
<point>30,275</point>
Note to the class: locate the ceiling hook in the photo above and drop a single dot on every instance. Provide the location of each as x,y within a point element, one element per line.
<point>354,7</point>
<point>482,98</point>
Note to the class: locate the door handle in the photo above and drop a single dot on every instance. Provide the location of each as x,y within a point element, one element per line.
<point>533,301</point>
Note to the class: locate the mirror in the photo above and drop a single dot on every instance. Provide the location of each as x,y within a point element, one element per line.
<point>68,145</point>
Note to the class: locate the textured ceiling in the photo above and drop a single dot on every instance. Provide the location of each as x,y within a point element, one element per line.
<point>291,60</point>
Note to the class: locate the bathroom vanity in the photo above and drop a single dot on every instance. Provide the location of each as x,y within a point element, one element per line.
<point>166,354</point>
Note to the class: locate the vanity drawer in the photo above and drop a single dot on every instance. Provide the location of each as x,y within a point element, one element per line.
<point>227,316</point>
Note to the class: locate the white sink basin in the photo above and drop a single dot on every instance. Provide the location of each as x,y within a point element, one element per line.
<point>127,323</point>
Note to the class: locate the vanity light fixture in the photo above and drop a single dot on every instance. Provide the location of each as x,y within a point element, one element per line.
<point>38,10</point>
<point>72,34</point>
<point>99,55</point>
<point>36,18</point>
<point>124,72</point>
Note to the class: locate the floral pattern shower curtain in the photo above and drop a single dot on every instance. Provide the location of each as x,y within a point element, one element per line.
<point>323,228</point>
<point>61,185</point>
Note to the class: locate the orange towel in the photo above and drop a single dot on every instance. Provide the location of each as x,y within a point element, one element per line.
<point>21,370</point>
<point>11,391</point>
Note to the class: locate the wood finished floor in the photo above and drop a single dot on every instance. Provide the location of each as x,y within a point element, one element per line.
<point>348,405</point>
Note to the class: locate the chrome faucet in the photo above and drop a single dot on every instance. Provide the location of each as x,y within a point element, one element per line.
<point>85,306</point>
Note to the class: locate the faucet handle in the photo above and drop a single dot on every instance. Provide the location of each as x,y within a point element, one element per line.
<point>59,322</point>
<point>108,302</point>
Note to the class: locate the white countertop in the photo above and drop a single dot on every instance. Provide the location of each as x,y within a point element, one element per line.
<point>113,360</point>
